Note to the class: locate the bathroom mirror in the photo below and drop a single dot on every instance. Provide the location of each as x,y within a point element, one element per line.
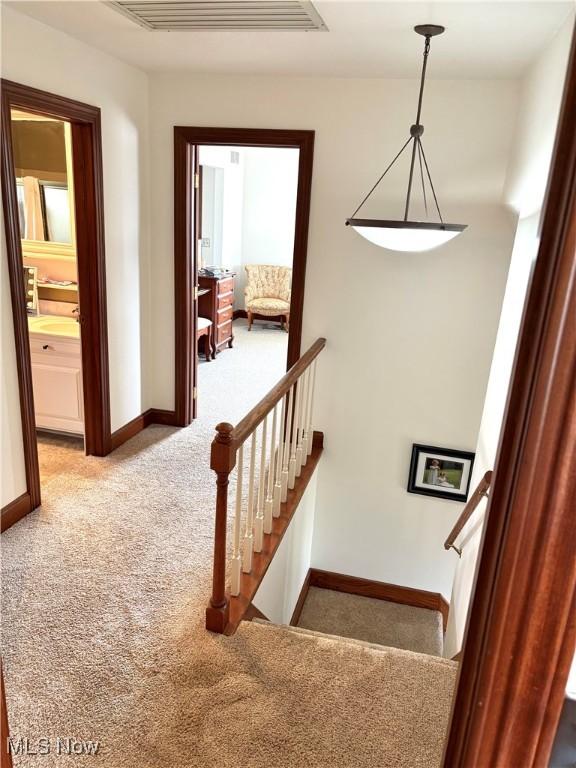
<point>44,184</point>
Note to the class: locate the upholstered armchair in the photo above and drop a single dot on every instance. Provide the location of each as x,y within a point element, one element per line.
<point>267,293</point>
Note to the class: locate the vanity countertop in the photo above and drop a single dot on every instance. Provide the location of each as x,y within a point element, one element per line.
<point>54,325</point>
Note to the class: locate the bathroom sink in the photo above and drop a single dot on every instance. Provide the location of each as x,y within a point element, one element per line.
<point>57,326</point>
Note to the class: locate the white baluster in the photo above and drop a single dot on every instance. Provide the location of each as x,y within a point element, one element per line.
<point>306,442</point>
<point>286,446</point>
<point>268,508</point>
<point>277,498</point>
<point>310,429</point>
<point>300,409</point>
<point>236,563</point>
<point>248,536</point>
<point>294,446</point>
<point>259,522</point>
<point>302,455</point>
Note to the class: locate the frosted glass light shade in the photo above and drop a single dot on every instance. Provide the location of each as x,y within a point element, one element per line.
<point>410,236</point>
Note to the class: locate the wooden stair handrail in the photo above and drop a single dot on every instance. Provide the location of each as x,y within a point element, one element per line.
<point>249,423</point>
<point>223,457</point>
<point>480,492</point>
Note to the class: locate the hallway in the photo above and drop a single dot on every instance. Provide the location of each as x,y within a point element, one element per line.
<point>104,592</point>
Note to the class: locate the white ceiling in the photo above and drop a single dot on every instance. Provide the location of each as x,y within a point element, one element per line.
<point>493,38</point>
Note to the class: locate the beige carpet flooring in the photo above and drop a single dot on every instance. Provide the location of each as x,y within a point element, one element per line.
<point>103,597</point>
<point>375,621</point>
<point>56,452</point>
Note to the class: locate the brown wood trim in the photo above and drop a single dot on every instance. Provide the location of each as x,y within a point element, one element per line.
<point>236,607</point>
<point>380,590</point>
<point>184,269</point>
<point>163,417</point>
<point>295,618</point>
<point>5,756</point>
<point>473,501</point>
<point>128,431</point>
<point>521,632</point>
<point>186,138</point>
<point>254,613</point>
<point>249,423</point>
<point>238,313</point>
<point>87,159</point>
<point>16,510</point>
<point>146,419</point>
<point>457,657</point>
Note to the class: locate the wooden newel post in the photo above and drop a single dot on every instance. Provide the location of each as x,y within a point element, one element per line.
<point>222,461</point>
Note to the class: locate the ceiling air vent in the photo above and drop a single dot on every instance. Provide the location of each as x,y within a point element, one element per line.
<point>176,15</point>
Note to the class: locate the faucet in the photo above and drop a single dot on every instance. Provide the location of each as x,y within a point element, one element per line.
<point>76,311</point>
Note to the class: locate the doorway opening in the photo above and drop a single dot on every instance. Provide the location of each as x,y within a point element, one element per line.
<point>44,176</point>
<point>242,202</point>
<point>245,252</point>
<point>53,214</point>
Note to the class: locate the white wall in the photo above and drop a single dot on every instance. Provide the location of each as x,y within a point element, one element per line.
<point>410,337</point>
<point>278,593</point>
<point>270,187</point>
<point>37,55</point>
<point>541,97</point>
<point>233,201</point>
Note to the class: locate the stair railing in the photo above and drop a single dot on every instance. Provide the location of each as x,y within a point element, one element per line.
<point>269,449</point>
<point>480,492</point>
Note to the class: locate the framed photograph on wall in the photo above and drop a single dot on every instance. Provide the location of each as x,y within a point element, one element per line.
<point>440,472</point>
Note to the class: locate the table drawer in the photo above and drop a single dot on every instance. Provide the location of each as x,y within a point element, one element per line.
<point>225,286</point>
<point>224,332</point>
<point>225,299</point>
<point>224,315</point>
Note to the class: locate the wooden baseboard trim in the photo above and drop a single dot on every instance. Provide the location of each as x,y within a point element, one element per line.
<point>130,430</point>
<point>239,313</point>
<point>16,510</point>
<point>354,585</point>
<point>160,416</point>
<point>301,600</point>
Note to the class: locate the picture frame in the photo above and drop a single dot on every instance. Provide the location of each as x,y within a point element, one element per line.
<point>444,473</point>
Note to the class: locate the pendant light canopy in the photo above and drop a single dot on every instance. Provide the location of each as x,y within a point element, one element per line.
<point>403,234</point>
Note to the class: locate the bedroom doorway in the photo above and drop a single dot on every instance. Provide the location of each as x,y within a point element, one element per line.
<point>245,251</point>
<point>201,158</point>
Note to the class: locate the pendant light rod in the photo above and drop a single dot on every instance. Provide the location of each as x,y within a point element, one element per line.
<point>417,129</point>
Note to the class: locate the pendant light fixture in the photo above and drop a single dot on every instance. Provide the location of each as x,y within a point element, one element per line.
<point>406,235</point>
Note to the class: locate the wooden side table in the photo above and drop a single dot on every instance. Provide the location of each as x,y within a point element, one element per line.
<point>217,305</point>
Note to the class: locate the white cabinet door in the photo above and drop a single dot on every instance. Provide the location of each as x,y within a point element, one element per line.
<point>58,398</point>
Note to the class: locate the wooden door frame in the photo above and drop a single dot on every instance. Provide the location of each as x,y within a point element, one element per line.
<point>89,209</point>
<point>186,138</point>
<point>521,630</point>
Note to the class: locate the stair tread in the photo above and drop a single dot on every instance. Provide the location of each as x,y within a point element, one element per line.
<point>364,705</point>
<point>373,620</point>
<point>351,641</point>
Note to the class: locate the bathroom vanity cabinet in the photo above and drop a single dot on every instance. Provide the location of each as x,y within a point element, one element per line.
<point>57,382</point>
